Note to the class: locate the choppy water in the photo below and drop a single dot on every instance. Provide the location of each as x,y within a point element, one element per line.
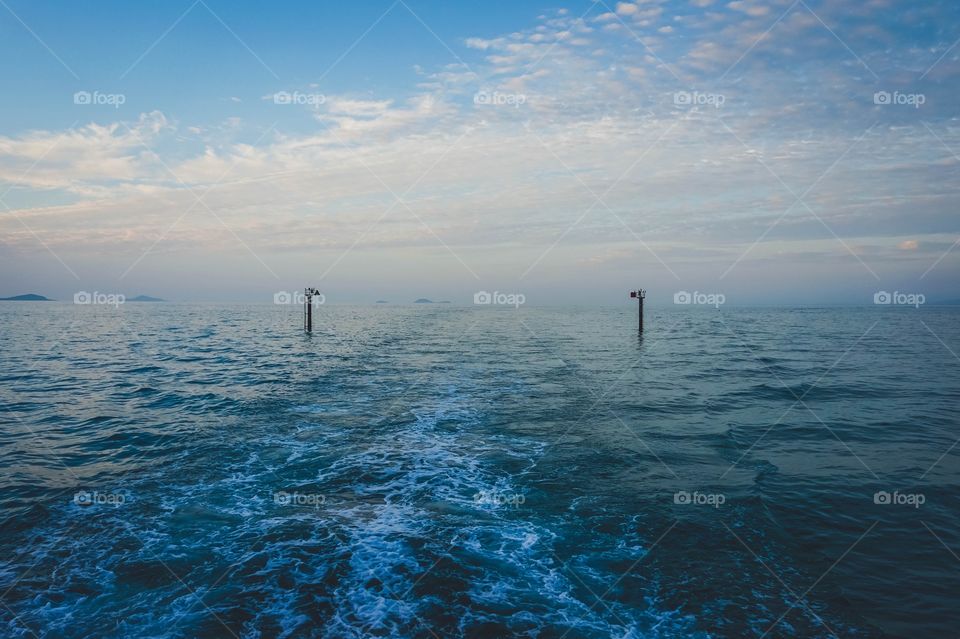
<point>440,471</point>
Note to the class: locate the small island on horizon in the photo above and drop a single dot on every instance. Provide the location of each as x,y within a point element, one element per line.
<point>28,297</point>
<point>35,297</point>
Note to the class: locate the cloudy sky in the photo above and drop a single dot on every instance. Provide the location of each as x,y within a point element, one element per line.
<point>776,151</point>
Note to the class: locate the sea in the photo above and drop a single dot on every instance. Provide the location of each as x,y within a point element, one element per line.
<point>435,471</point>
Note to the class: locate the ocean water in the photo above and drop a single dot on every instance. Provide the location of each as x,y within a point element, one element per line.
<point>178,470</point>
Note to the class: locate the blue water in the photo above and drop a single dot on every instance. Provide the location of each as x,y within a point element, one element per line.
<point>432,471</point>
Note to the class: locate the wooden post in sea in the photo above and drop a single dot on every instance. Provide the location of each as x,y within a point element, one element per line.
<point>639,294</point>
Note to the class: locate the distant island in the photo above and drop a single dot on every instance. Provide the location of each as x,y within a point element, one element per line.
<point>382,302</point>
<point>423,300</point>
<point>29,297</point>
<point>145,298</point>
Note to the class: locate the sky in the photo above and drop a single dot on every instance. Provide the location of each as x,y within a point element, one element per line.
<point>781,152</point>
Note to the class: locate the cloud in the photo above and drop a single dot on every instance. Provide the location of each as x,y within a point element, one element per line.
<point>617,129</point>
<point>358,108</point>
<point>74,158</point>
<point>750,8</point>
<point>479,43</point>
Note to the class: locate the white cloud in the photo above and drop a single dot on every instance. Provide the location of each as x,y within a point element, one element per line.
<point>357,108</point>
<point>522,174</point>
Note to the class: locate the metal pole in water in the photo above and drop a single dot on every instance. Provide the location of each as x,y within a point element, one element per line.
<point>308,294</point>
<point>643,294</point>
<point>639,294</point>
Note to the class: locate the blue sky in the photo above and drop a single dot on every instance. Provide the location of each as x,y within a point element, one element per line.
<point>778,152</point>
<point>200,64</point>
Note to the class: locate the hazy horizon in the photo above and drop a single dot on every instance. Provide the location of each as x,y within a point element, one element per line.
<point>654,301</point>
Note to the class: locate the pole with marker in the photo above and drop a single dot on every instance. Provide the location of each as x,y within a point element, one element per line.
<point>308,294</point>
<point>639,294</point>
